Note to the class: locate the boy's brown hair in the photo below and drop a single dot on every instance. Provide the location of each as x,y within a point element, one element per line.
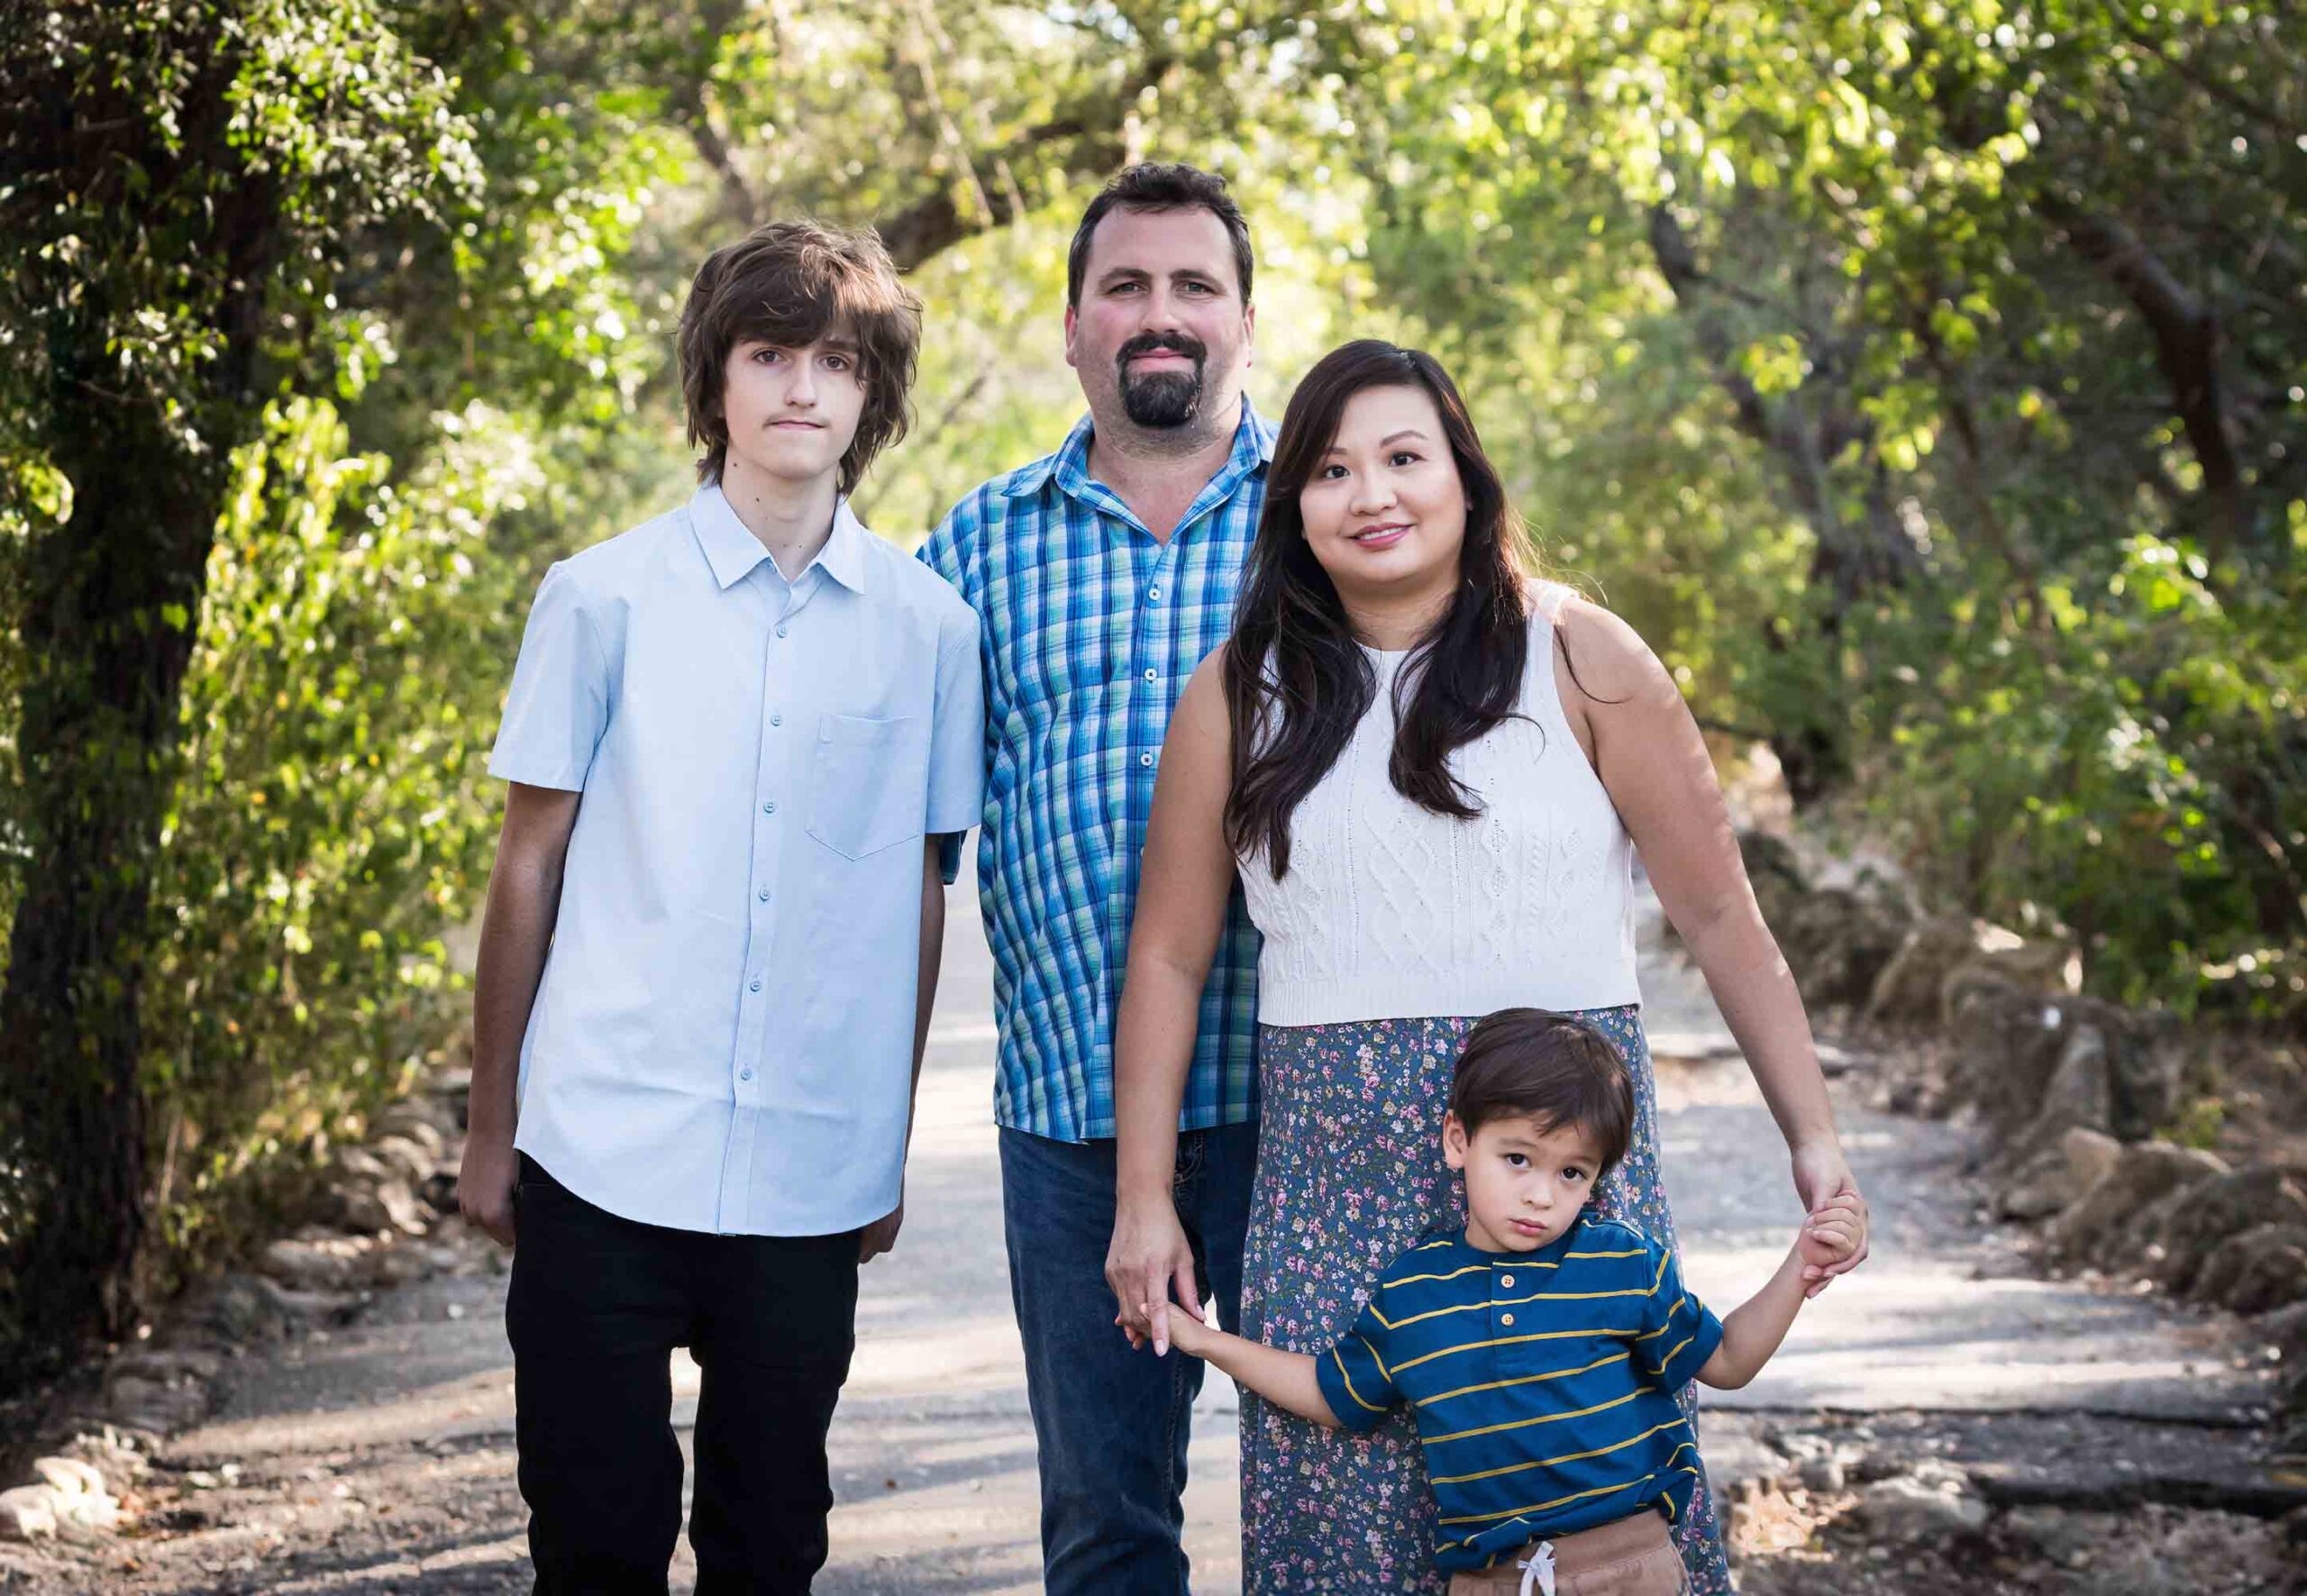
<point>1549,1067</point>
<point>789,284</point>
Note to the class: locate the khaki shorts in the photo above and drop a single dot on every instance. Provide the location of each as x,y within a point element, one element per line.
<point>1632,1558</point>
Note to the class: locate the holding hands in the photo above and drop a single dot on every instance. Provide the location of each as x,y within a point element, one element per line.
<point>1150,1255</point>
<point>1823,1181</point>
<point>1833,1238</point>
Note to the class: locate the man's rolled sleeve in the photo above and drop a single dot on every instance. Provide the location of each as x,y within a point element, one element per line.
<point>1354,1377</point>
<point>957,740</point>
<point>559,702</point>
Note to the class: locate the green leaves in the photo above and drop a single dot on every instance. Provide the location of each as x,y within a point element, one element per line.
<point>334,815</point>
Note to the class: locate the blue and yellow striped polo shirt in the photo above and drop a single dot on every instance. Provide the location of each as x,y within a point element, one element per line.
<point>1543,1382</point>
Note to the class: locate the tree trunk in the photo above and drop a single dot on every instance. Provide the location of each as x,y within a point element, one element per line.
<point>110,603</point>
<point>111,599</point>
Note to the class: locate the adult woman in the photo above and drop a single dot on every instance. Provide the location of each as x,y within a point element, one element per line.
<point>1430,821</point>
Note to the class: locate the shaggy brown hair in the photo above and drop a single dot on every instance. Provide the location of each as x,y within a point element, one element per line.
<point>1535,1065</point>
<point>788,284</point>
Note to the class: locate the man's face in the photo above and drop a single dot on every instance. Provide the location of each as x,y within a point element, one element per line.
<point>792,413</point>
<point>1161,336</point>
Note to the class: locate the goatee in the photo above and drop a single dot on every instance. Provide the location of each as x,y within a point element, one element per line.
<point>1161,398</point>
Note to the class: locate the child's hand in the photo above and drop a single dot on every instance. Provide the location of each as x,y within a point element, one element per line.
<point>1188,1334</point>
<point>1832,1234</point>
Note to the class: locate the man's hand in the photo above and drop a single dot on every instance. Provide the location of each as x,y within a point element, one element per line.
<point>1149,1255</point>
<point>881,1235</point>
<point>1821,1174</point>
<point>485,1180</point>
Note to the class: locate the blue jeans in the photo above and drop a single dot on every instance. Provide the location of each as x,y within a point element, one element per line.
<point>1112,1423</point>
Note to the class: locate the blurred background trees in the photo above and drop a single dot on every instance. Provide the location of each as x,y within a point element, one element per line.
<point>1924,379</point>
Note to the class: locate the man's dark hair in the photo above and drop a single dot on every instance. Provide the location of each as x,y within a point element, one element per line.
<point>788,284</point>
<point>1160,186</point>
<point>1536,1064</point>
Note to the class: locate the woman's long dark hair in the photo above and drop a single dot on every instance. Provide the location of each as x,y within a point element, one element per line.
<point>1296,681</point>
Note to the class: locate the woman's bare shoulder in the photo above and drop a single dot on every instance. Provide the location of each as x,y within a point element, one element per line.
<point>1609,660</point>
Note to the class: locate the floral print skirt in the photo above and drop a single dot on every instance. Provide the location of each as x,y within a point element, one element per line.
<point>1350,1172</point>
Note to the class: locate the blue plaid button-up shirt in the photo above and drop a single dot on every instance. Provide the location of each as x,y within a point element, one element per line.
<point>1090,628</point>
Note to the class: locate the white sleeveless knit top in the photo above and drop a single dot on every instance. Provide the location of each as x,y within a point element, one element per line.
<point>1392,911</point>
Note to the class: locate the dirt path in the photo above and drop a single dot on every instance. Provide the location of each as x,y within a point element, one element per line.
<point>378,1458</point>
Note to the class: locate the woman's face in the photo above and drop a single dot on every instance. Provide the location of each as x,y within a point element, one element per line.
<point>1385,512</point>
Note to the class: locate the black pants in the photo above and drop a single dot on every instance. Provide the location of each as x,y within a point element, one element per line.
<point>597,1305</point>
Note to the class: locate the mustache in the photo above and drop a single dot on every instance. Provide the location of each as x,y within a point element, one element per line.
<point>1146,343</point>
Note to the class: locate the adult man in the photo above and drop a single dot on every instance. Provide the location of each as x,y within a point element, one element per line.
<point>1102,575</point>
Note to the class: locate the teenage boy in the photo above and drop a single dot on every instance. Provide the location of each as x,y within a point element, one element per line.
<point>736,736</point>
<point>1103,574</point>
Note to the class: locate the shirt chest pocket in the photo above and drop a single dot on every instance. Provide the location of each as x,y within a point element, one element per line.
<point>869,788</point>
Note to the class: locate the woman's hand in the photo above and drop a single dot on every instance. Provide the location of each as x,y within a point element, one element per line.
<point>1822,1174</point>
<point>1150,1254</point>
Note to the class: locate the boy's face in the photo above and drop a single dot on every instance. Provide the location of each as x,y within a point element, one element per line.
<point>791,413</point>
<point>1525,1182</point>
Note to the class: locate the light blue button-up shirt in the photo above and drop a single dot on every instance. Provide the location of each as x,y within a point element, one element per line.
<point>722,1040</point>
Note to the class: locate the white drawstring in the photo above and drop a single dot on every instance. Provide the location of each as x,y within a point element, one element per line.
<point>1538,1571</point>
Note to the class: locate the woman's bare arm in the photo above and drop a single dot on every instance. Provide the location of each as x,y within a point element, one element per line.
<point>1644,744</point>
<point>1186,878</point>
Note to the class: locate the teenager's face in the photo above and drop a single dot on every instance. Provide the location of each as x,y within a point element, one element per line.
<point>1525,1182</point>
<point>792,413</point>
<point>1385,510</point>
<point>1161,336</point>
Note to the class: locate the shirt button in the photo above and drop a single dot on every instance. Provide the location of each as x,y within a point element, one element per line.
<point>1146,760</point>
<point>769,808</point>
<point>780,630</point>
<point>745,1074</point>
<point>1503,1279</point>
<point>755,983</point>
<point>1154,593</point>
<point>1505,1319</point>
<point>777,720</point>
<point>1149,674</point>
<point>764,896</point>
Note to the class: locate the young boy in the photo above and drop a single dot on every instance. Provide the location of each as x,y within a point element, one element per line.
<point>735,737</point>
<point>1540,1349</point>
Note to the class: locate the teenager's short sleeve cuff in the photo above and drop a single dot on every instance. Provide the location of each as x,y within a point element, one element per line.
<point>507,765</point>
<point>558,705</point>
<point>957,734</point>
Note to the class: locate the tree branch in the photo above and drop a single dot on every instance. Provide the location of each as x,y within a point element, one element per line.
<point>685,99</point>
<point>2186,347</point>
<point>1096,123</point>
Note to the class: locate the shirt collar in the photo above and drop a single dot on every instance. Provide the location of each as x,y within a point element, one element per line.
<point>733,551</point>
<point>1253,437</point>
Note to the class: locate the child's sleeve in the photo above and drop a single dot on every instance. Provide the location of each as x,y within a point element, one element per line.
<point>559,702</point>
<point>1354,1376</point>
<point>957,740</point>
<point>1679,1332</point>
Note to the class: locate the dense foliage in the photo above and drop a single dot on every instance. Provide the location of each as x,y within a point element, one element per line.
<point>1922,375</point>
